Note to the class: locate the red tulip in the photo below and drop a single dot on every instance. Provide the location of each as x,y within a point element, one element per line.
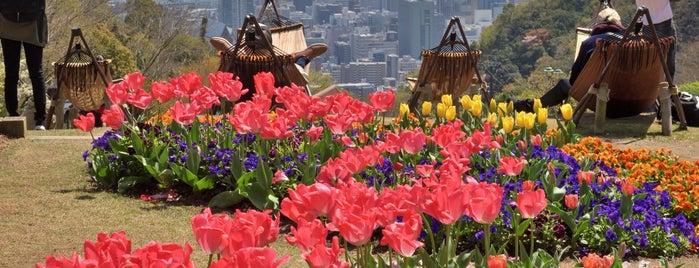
<point>320,256</point>
<point>140,98</point>
<point>117,93</point>
<point>527,185</point>
<point>448,200</point>
<point>162,91</point>
<point>75,261</point>
<point>593,260</point>
<point>306,235</point>
<point>334,171</point>
<point>211,231</point>
<point>531,203</point>
<point>511,166</point>
<point>226,86</point>
<point>262,257</point>
<point>265,228</point>
<point>338,124</point>
<point>113,117</point>
<point>277,129</point>
<point>485,202</point>
<point>627,187</point>
<point>309,202</point>
<point>497,261</point>
<point>85,122</point>
<point>108,249</point>
<point>382,101</point>
<point>264,83</point>
<point>448,133</point>
<point>402,236</point>
<point>205,98</point>
<point>412,141</point>
<point>585,176</point>
<point>314,133</point>
<point>155,254</point>
<point>247,118</point>
<point>186,85</point>
<point>134,81</point>
<point>184,113</point>
<point>571,201</point>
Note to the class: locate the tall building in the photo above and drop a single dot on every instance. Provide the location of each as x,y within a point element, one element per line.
<point>415,26</point>
<point>233,12</point>
<point>363,72</point>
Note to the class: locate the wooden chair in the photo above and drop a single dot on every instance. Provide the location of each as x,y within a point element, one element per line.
<point>624,78</point>
<point>448,68</point>
<point>81,78</point>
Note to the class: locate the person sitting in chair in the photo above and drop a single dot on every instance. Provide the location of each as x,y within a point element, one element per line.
<point>609,27</point>
<point>301,58</point>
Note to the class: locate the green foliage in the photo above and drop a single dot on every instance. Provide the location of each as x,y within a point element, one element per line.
<point>105,43</point>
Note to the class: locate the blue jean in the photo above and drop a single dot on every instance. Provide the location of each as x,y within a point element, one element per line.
<point>667,28</point>
<point>34,54</point>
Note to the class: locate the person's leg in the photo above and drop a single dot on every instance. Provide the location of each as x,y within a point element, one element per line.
<point>554,96</point>
<point>10,51</point>
<point>557,94</point>
<point>667,28</point>
<point>34,55</point>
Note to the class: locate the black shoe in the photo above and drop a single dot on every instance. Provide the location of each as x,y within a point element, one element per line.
<point>526,105</point>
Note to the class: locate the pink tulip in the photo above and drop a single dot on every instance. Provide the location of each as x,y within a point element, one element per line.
<point>338,124</point>
<point>264,83</point>
<point>531,203</point>
<point>113,117</point>
<point>186,84</point>
<point>225,86</point>
<point>117,93</point>
<point>75,261</point>
<point>497,261</point>
<point>413,141</point>
<point>485,202</point>
<point>571,201</point>
<point>211,231</point>
<point>307,234</point>
<point>262,257</point>
<point>382,101</point>
<point>314,133</point>
<point>511,166</point>
<point>85,122</point>
<point>585,176</point>
<point>162,91</point>
<point>134,81</point>
<point>309,202</point>
<point>184,113</point>
<point>108,250</point>
<point>402,237</point>
<point>140,99</point>
<point>247,119</point>
<point>205,98</point>
<point>155,254</point>
<point>448,200</point>
<point>320,256</point>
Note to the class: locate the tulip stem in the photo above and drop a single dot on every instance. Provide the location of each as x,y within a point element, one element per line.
<point>531,238</point>
<point>486,232</point>
<point>211,258</point>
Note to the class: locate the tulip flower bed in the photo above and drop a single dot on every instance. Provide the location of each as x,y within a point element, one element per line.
<point>479,185</point>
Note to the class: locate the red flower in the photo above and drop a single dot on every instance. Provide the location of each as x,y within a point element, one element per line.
<point>211,231</point>
<point>75,261</point>
<point>113,117</point>
<point>485,202</point>
<point>134,81</point>
<point>531,203</point>
<point>593,260</point>
<point>511,166</point>
<point>585,176</point>
<point>162,91</point>
<point>320,256</point>
<point>261,223</point>
<point>448,200</point>
<point>184,113</point>
<point>108,249</point>
<point>497,261</point>
<point>225,86</point>
<point>117,93</point>
<point>412,141</point>
<point>382,101</point>
<point>314,133</point>
<point>338,124</point>
<point>627,187</point>
<point>309,202</point>
<point>262,257</point>
<point>264,83</point>
<point>571,201</point>
<point>140,99</point>
<point>402,236</point>
<point>247,118</point>
<point>85,122</point>
<point>306,235</point>
<point>186,85</point>
<point>155,254</point>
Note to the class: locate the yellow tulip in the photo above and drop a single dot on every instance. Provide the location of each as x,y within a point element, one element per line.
<point>493,105</point>
<point>441,110</point>
<point>520,121</point>
<point>403,109</point>
<point>426,108</point>
<point>476,108</point>
<point>492,118</point>
<point>542,114</point>
<point>529,120</point>
<point>476,98</point>
<point>502,109</point>
<point>510,107</point>
<point>447,100</point>
<point>450,114</point>
<point>466,102</point>
<point>508,123</point>
<point>537,105</point>
<point>567,111</point>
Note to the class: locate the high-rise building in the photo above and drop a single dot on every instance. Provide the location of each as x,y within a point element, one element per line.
<point>415,26</point>
<point>233,12</point>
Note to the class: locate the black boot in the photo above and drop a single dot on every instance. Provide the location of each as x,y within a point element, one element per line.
<point>525,105</point>
<point>557,94</point>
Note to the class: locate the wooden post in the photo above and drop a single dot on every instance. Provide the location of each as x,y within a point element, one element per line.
<point>601,107</point>
<point>665,108</point>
